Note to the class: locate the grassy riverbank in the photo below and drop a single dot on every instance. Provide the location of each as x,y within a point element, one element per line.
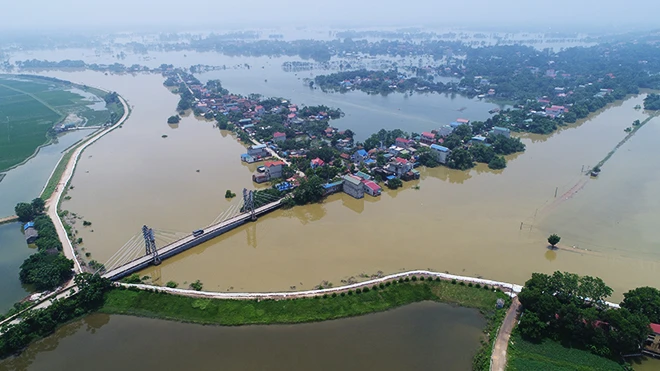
<point>552,356</point>
<point>300,310</point>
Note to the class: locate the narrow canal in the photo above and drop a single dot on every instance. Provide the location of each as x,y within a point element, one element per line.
<point>422,336</point>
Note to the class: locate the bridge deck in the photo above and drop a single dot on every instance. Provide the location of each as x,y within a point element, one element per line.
<point>188,242</point>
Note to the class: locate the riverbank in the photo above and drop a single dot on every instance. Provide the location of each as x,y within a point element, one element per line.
<point>64,175</point>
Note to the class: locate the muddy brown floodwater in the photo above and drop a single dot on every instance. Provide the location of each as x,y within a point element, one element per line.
<point>422,336</point>
<point>462,222</point>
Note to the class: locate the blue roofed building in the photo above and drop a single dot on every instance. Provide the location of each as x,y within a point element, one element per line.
<point>497,130</point>
<point>440,153</point>
<point>359,156</point>
<point>333,187</point>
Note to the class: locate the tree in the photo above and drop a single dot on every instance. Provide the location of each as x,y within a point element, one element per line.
<point>175,119</point>
<point>553,239</point>
<point>24,211</point>
<point>46,271</point>
<point>531,327</point>
<point>230,194</point>
<point>394,183</point>
<point>460,159</point>
<point>38,205</point>
<point>628,330</point>
<point>643,300</point>
<point>497,162</point>
<point>310,190</point>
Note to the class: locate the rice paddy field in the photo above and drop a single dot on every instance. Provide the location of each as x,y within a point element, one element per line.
<point>30,106</point>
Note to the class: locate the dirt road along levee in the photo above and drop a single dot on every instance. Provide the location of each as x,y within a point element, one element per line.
<point>498,359</point>
<point>53,202</point>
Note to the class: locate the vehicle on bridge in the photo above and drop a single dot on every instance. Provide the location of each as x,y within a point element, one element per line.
<point>198,232</point>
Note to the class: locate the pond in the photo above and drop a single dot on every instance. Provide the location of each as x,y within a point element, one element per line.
<point>421,336</point>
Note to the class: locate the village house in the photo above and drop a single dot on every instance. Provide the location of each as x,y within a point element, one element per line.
<point>363,175</point>
<point>463,121</point>
<point>30,232</point>
<point>279,137</point>
<point>334,187</point>
<point>428,138</point>
<point>652,343</point>
<point>353,186</point>
<point>478,139</point>
<point>445,130</point>
<point>497,130</point>
<point>555,111</point>
<point>317,162</point>
<point>371,188</point>
<point>399,166</point>
<point>359,156</point>
<point>403,142</point>
<point>258,151</point>
<point>394,150</point>
<point>273,171</point>
<point>440,153</point>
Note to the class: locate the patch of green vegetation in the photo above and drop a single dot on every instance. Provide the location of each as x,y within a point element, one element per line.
<point>245,312</point>
<point>552,356</point>
<point>31,105</point>
<point>57,174</point>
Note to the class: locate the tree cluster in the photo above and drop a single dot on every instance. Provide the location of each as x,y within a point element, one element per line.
<point>45,270</point>
<point>652,102</point>
<point>570,309</point>
<point>28,211</point>
<point>36,324</point>
<point>309,191</point>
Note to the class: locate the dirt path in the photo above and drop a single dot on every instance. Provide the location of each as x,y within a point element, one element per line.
<point>498,359</point>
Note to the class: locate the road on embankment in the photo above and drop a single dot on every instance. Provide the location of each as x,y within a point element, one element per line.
<point>503,335</point>
<point>53,202</point>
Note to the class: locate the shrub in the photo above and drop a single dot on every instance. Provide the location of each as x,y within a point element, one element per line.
<point>437,279</point>
<point>407,279</point>
<point>400,280</point>
<point>334,294</point>
<point>358,291</point>
<point>133,278</point>
<point>88,254</point>
<point>366,289</point>
<point>477,286</point>
<point>342,294</point>
<point>414,278</point>
<point>171,284</point>
<point>86,223</point>
<point>197,285</point>
<point>453,281</point>
<point>421,278</point>
<point>325,296</point>
<point>387,283</point>
<point>462,283</point>
<point>374,287</point>
<point>350,292</point>
<point>382,285</point>
<point>470,284</point>
<point>486,287</point>
<point>79,240</point>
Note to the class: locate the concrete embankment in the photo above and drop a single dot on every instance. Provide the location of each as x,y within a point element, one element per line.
<point>8,219</point>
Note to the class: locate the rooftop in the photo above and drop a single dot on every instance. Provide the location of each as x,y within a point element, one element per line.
<point>439,148</point>
<point>352,179</point>
<point>273,163</point>
<point>655,328</point>
<point>278,135</point>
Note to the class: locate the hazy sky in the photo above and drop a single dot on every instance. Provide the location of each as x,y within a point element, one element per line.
<point>129,14</point>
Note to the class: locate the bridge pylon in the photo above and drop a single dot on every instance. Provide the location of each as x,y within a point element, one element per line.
<point>248,201</point>
<point>150,244</point>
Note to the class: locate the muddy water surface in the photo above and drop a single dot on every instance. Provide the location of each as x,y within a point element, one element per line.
<point>420,336</point>
<point>462,222</point>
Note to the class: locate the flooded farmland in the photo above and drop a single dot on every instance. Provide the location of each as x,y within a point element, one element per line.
<point>480,222</point>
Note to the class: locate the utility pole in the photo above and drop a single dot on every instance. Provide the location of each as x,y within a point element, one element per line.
<point>556,189</point>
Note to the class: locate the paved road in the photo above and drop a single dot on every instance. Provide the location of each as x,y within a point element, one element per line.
<point>502,341</point>
<point>53,202</point>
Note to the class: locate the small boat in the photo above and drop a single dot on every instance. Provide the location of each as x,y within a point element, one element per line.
<point>261,169</point>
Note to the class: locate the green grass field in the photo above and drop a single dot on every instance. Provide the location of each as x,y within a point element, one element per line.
<point>30,106</point>
<point>245,312</point>
<point>552,356</point>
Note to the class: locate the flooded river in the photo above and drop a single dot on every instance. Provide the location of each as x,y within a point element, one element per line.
<point>462,222</point>
<point>422,336</point>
